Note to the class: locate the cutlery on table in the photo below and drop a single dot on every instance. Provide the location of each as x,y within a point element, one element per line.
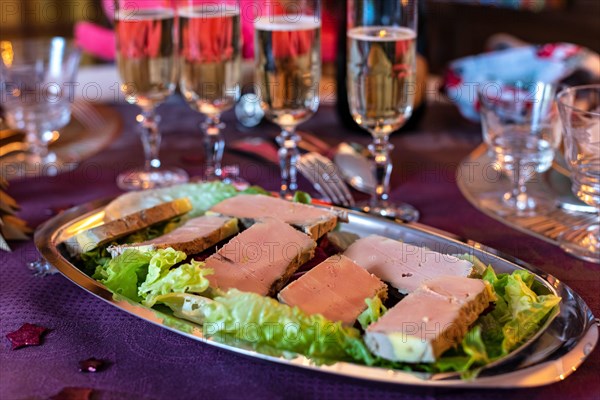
<point>326,178</point>
<point>355,168</point>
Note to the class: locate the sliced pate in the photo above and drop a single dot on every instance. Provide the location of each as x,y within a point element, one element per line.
<point>260,259</point>
<point>405,267</point>
<point>336,288</point>
<point>429,321</point>
<point>314,221</point>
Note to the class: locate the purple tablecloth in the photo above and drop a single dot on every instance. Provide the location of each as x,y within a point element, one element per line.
<point>150,362</point>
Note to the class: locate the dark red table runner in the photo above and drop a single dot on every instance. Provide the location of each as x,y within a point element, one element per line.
<point>150,362</point>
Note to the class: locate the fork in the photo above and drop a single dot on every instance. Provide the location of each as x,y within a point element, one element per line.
<point>326,179</point>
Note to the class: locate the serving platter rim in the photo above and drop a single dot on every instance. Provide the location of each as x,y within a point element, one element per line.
<point>50,234</point>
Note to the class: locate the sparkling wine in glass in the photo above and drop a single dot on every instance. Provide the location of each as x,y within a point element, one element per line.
<point>210,57</point>
<point>146,59</point>
<point>381,73</point>
<point>287,46</point>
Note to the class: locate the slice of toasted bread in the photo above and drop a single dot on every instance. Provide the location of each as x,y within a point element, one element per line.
<point>193,237</point>
<point>100,235</point>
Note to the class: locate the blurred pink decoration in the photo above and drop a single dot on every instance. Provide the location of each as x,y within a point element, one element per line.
<point>95,40</point>
<point>100,42</point>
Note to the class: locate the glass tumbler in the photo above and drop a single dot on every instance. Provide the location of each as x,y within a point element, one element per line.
<point>522,132</point>
<point>37,81</point>
<point>580,115</point>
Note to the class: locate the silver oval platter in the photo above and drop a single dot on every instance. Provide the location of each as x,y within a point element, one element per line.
<point>556,351</point>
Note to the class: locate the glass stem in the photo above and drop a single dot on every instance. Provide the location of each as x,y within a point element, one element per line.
<point>288,157</point>
<point>37,145</point>
<point>150,137</point>
<point>518,191</point>
<point>213,147</point>
<point>380,152</point>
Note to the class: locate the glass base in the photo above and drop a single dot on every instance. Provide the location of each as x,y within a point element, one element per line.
<point>506,205</point>
<point>582,242</point>
<point>230,174</point>
<point>402,211</point>
<point>24,165</point>
<point>140,179</point>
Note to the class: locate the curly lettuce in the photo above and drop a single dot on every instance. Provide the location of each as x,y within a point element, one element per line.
<point>142,275</point>
<point>161,279</point>
<point>375,309</point>
<point>262,322</point>
<point>124,273</point>
<point>518,313</point>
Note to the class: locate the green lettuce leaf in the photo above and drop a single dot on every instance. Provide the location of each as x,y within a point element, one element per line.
<point>123,273</point>
<point>161,280</point>
<point>474,352</point>
<point>93,259</point>
<point>518,313</point>
<point>527,309</point>
<point>255,190</point>
<point>375,309</point>
<point>241,317</point>
<point>302,197</point>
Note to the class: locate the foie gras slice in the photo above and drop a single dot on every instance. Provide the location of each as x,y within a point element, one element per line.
<point>427,322</point>
<point>336,288</point>
<point>314,221</point>
<point>193,237</point>
<point>118,228</point>
<point>405,267</point>
<point>260,259</point>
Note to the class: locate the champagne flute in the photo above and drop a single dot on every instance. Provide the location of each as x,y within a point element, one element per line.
<point>381,85</point>
<point>210,57</point>
<point>287,49</point>
<point>146,58</point>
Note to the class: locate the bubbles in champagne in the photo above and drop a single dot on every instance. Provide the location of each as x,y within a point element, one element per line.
<point>288,67</point>
<point>145,54</point>
<point>381,77</point>
<point>210,57</point>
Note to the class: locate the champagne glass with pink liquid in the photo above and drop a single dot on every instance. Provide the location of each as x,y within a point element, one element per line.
<point>146,32</point>
<point>210,50</point>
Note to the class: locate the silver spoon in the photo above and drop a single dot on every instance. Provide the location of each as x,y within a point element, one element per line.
<point>355,168</point>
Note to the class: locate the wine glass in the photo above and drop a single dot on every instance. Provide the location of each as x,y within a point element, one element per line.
<point>36,88</point>
<point>580,115</point>
<point>287,50</point>
<point>210,57</point>
<point>521,130</point>
<point>381,74</point>
<point>146,59</point>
